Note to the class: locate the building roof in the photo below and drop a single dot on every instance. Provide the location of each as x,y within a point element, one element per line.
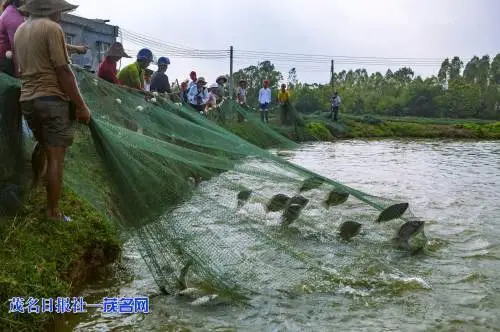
<point>94,25</point>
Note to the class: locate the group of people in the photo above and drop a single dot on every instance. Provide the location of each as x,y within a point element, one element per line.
<point>137,76</point>
<point>33,48</point>
<point>193,92</point>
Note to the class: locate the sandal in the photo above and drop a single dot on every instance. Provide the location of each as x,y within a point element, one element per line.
<point>61,217</point>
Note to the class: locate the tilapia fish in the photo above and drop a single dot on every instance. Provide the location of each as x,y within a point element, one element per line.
<point>243,197</point>
<point>277,203</point>
<point>293,209</point>
<point>335,198</point>
<point>311,183</point>
<point>349,229</point>
<point>393,212</point>
<point>411,236</point>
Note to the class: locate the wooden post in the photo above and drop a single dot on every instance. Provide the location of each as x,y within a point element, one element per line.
<point>231,83</point>
<point>332,73</point>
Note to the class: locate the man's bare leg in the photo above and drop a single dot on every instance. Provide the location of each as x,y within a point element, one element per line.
<point>38,164</point>
<point>55,167</point>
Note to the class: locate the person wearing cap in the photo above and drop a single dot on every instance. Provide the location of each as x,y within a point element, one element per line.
<point>284,100</point>
<point>107,69</point>
<point>265,95</point>
<point>241,92</point>
<point>192,75</point>
<point>213,95</point>
<point>10,20</point>
<point>132,76</point>
<point>183,94</point>
<point>198,95</point>
<point>221,83</point>
<point>159,81</point>
<point>50,98</point>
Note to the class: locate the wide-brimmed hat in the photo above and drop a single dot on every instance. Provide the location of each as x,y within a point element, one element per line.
<point>201,80</point>
<point>46,7</point>
<point>117,50</point>
<point>224,78</point>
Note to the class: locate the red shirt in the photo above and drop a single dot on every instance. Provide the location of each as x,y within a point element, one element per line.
<point>107,71</point>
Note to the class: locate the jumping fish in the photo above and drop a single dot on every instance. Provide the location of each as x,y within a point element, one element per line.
<point>393,212</point>
<point>204,300</point>
<point>349,229</point>
<point>183,275</point>
<point>193,293</point>
<point>277,203</point>
<point>311,183</point>
<point>411,236</point>
<point>293,209</point>
<point>243,197</point>
<point>335,198</point>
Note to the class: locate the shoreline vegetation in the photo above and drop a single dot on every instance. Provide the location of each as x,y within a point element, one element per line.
<point>318,127</point>
<point>47,259</point>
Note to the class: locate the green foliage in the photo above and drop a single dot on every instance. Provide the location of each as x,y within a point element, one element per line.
<point>476,94</point>
<point>47,259</point>
<point>319,131</point>
<point>255,75</point>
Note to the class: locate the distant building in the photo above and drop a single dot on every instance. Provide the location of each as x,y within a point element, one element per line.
<point>96,34</point>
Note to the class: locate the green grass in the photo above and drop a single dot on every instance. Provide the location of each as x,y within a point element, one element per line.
<point>47,259</point>
<point>350,126</point>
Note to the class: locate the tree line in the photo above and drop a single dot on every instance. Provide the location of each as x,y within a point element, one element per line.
<point>458,90</point>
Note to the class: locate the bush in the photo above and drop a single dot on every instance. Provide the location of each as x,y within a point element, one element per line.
<point>319,131</point>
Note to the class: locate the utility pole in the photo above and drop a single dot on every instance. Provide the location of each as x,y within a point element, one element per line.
<point>332,73</point>
<point>231,87</point>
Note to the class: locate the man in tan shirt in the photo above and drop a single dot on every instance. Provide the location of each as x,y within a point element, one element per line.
<point>50,98</point>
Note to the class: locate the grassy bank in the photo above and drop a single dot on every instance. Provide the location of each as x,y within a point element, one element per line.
<point>44,259</point>
<point>318,127</point>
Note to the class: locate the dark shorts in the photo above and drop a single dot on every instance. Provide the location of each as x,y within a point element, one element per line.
<point>335,108</point>
<point>199,108</point>
<point>51,120</point>
<point>7,66</point>
<point>264,107</point>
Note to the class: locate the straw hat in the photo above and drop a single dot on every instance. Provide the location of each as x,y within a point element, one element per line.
<point>46,7</point>
<point>117,50</point>
<point>221,78</point>
<point>202,80</point>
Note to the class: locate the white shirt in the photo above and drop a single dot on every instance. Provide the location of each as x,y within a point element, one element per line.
<point>242,95</point>
<point>336,101</point>
<point>194,93</point>
<point>212,100</point>
<point>265,96</point>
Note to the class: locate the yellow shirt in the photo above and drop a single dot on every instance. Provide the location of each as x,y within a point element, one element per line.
<point>40,48</point>
<point>132,76</point>
<point>283,96</point>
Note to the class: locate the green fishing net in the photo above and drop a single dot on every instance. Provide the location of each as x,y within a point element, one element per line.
<point>195,190</point>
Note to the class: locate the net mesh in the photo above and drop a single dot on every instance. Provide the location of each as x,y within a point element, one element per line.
<point>175,181</point>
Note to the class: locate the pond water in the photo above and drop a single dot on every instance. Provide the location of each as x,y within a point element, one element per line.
<point>453,284</point>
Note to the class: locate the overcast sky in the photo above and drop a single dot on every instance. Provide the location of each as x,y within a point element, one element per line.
<point>383,28</point>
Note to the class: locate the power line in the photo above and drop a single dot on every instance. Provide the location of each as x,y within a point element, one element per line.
<point>311,62</point>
